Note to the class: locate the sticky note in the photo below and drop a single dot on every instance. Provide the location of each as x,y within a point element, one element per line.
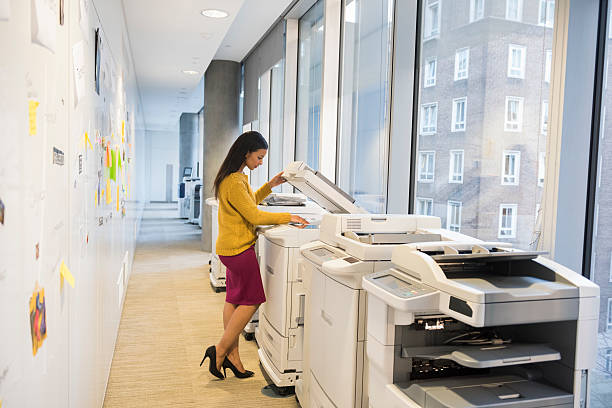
<point>109,198</point>
<point>118,158</point>
<point>123,131</point>
<point>65,274</point>
<point>87,141</point>
<point>113,166</point>
<point>32,107</point>
<point>108,155</point>
<point>96,198</point>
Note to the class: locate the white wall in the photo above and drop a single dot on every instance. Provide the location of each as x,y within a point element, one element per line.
<point>54,205</point>
<point>162,149</point>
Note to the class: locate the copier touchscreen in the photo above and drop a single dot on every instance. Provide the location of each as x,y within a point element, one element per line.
<point>323,253</point>
<point>392,282</point>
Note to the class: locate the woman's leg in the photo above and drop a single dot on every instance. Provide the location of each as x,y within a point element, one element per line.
<point>236,323</point>
<point>233,354</point>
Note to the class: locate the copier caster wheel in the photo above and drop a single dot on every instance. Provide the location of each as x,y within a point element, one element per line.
<point>249,336</point>
<point>219,289</point>
<point>285,391</point>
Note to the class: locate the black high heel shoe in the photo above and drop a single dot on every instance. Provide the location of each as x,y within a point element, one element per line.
<point>237,373</point>
<point>211,353</point>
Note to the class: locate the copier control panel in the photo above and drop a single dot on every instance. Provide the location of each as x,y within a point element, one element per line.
<point>323,254</point>
<point>390,281</point>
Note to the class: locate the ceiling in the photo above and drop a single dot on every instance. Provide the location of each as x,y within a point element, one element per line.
<point>169,37</point>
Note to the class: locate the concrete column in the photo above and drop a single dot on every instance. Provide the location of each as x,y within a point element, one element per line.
<point>221,128</point>
<point>188,143</point>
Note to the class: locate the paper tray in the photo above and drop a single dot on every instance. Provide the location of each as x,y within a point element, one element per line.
<point>486,356</point>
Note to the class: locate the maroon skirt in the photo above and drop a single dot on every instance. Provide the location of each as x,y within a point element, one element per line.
<point>243,280</point>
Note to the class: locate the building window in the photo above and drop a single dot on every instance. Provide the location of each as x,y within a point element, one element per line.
<point>429,118</point>
<point>609,317</point>
<point>516,61</point>
<point>514,114</point>
<point>547,13</point>
<point>455,167</point>
<point>427,164</point>
<point>609,360</point>
<point>430,72</point>
<point>459,108</point>
<point>476,10</point>
<point>462,63</point>
<point>424,206</point>
<point>453,216</point>
<point>514,10</point>
<point>432,19</point>
<point>507,220</point>
<point>541,168</point>
<point>547,65</point>
<point>511,165</point>
<point>544,125</point>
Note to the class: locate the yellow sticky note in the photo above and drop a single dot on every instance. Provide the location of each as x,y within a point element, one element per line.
<point>65,274</point>
<point>32,107</point>
<point>123,131</point>
<point>109,197</point>
<point>96,198</point>
<point>87,141</point>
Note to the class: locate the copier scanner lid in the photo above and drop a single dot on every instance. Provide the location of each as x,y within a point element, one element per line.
<point>319,189</point>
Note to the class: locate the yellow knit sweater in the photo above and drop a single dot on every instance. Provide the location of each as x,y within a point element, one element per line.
<point>238,214</point>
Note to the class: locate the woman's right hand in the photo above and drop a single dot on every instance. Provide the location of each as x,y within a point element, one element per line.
<point>298,221</point>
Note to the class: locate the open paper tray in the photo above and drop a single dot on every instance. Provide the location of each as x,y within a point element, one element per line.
<point>488,257</point>
<point>487,356</point>
<point>484,391</point>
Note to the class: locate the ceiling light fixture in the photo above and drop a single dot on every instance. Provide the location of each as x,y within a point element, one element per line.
<point>190,72</point>
<point>215,13</point>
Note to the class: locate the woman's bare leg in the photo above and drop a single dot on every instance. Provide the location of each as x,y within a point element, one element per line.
<point>235,324</point>
<point>233,354</point>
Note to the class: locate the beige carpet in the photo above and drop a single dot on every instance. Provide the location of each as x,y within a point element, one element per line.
<point>170,315</point>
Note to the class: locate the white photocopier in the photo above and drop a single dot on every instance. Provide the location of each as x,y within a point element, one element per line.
<point>217,269</point>
<point>476,324</point>
<point>349,247</point>
<point>280,334</point>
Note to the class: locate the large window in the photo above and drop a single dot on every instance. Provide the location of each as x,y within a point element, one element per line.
<point>485,118</point>
<point>546,15</point>
<point>310,64</point>
<point>364,102</point>
<point>507,220</point>
<point>432,19</point>
<point>424,206</point>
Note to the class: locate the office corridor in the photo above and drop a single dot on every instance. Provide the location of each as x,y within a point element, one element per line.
<point>167,322</point>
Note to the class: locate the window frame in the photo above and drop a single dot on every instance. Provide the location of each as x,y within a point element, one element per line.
<point>473,10</point>
<point>454,115</point>
<point>514,220</point>
<point>435,124</point>
<point>451,166</point>
<point>519,121</point>
<point>519,11</point>
<point>547,23</point>
<point>517,168</point>
<point>428,35</point>
<point>544,118</point>
<point>523,49</point>
<point>429,153</point>
<point>423,200</point>
<point>426,78</point>
<point>449,205</point>
<point>460,75</point>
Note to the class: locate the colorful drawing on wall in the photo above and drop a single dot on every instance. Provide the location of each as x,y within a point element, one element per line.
<point>113,166</point>
<point>32,107</point>
<point>1,212</point>
<point>38,319</point>
<point>109,197</point>
<point>66,274</point>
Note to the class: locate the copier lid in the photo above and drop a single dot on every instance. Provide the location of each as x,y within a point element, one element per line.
<point>319,189</point>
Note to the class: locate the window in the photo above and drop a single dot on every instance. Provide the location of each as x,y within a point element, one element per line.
<point>432,19</point>
<point>429,118</point>
<point>514,10</point>
<point>608,355</point>
<point>424,206</point>
<point>462,63</point>
<point>455,167</point>
<point>516,61</point>
<point>459,107</point>
<point>453,216</point>
<point>547,66</point>
<point>476,10</point>
<point>547,13</point>
<point>310,76</point>
<point>511,164</point>
<point>609,315</point>
<point>364,101</point>
<point>430,72</point>
<point>507,220</point>
<point>427,164</point>
<point>514,114</point>
<point>541,168</point>
<point>544,124</point>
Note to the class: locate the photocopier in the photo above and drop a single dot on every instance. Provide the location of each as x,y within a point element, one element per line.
<point>184,193</point>
<point>349,247</point>
<point>280,334</point>
<point>467,323</point>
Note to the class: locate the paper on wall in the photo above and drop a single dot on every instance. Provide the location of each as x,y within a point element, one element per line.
<point>32,107</point>
<point>5,15</point>
<point>78,68</point>
<point>66,274</point>
<point>44,20</point>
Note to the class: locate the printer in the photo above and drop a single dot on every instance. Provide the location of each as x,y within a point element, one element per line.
<point>349,247</point>
<point>280,334</point>
<point>185,190</point>
<point>468,323</point>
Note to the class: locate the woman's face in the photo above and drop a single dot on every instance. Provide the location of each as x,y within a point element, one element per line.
<point>255,159</point>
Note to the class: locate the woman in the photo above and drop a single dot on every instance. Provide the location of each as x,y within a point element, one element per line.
<point>238,217</point>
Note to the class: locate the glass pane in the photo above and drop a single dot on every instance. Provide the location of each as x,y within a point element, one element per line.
<point>277,87</point>
<point>364,102</point>
<point>485,112</point>
<point>601,260</point>
<point>310,74</point>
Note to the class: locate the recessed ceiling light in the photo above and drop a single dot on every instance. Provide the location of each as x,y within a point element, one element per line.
<point>215,13</point>
<point>190,72</point>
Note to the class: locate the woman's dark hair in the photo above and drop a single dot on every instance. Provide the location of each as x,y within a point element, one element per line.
<point>247,142</point>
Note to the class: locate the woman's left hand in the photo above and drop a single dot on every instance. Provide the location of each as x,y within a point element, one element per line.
<point>276,180</point>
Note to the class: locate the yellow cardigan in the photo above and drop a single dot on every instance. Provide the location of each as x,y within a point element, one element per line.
<point>238,214</point>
